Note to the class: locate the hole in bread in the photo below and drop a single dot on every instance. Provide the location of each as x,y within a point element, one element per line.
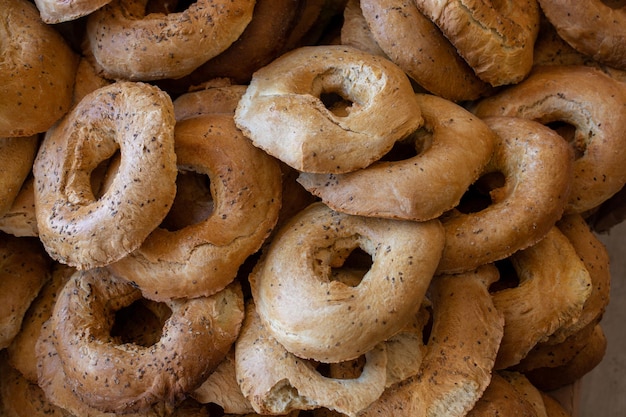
<point>571,135</point>
<point>508,276</point>
<point>478,195</point>
<point>353,269</point>
<point>167,6</point>
<point>409,147</point>
<point>193,202</point>
<point>336,103</point>
<point>102,176</point>
<point>343,370</point>
<point>141,323</point>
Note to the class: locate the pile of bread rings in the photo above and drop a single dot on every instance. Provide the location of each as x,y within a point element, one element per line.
<point>305,207</point>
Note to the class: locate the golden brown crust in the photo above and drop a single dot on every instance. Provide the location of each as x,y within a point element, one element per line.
<point>37,71</point>
<point>284,114</point>
<point>496,39</point>
<point>537,168</point>
<point>75,227</point>
<point>291,286</point>
<point>195,338</point>
<point>20,219</point>
<point>355,32</point>
<point>169,45</point>
<point>452,146</point>
<point>590,101</point>
<point>417,46</point>
<point>204,257</point>
<point>16,163</point>
<point>501,399</point>
<point>24,269</point>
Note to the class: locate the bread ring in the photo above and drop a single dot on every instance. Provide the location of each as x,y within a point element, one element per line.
<point>266,373</point>
<point>553,287</point>
<point>296,269</point>
<point>195,338</point>
<point>590,101</point>
<point>537,166</point>
<point>16,162</point>
<point>595,29</point>
<point>123,42</point>
<point>420,187</point>
<point>417,46</point>
<point>36,71</point>
<point>57,11</point>
<point>283,111</point>
<point>460,352</point>
<point>24,269</point>
<point>204,257</point>
<point>496,39</point>
<point>75,227</point>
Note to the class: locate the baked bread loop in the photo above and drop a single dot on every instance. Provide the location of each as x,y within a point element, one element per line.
<point>57,11</point>
<point>496,39</point>
<point>112,375</point>
<point>278,382</point>
<point>284,112</point>
<point>453,146</point>
<point>79,229</point>
<point>415,44</point>
<point>24,269</point>
<point>460,351</point>
<point>123,42</point>
<point>36,71</point>
<point>16,162</point>
<point>292,288</point>
<point>536,164</point>
<point>586,99</point>
<point>204,257</point>
<point>553,288</point>
<point>594,28</point>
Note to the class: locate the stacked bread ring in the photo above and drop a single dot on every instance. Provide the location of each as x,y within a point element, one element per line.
<point>311,215</point>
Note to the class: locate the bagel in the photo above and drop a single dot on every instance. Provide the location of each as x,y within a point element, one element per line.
<point>36,71</point>
<point>537,168</point>
<point>283,110</point>
<point>594,28</point>
<point>553,288</point>
<point>586,99</point>
<point>292,288</point>
<point>16,163</point>
<point>24,270</point>
<point>420,187</point>
<point>75,227</point>
<point>195,338</point>
<point>460,351</point>
<point>122,42</point>
<point>415,44</point>
<point>496,39</point>
<point>57,11</point>
<point>204,257</point>
<point>277,382</point>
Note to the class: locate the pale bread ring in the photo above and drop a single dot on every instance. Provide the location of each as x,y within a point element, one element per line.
<point>123,42</point>
<point>203,258</point>
<point>74,226</point>
<point>283,112</point>
<point>537,167</point>
<point>420,187</point>
<point>590,101</point>
<point>292,288</point>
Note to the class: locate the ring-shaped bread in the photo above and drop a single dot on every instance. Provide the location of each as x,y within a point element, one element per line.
<point>36,71</point>
<point>496,39</point>
<point>113,376</point>
<point>460,351</point>
<point>594,28</point>
<point>453,146</point>
<point>554,285</point>
<point>16,163</point>
<point>202,258</point>
<point>79,229</point>
<point>537,167</point>
<point>416,45</point>
<point>292,288</point>
<point>284,113</point>
<point>24,270</point>
<point>122,42</point>
<point>588,100</point>
<point>57,11</point>
<point>277,382</point>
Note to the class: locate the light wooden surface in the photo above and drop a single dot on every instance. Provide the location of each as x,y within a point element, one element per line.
<point>603,390</point>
